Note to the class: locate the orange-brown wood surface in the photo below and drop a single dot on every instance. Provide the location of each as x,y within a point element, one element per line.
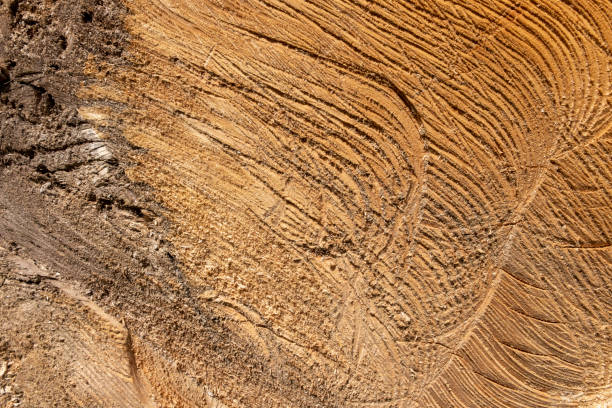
<point>383,203</point>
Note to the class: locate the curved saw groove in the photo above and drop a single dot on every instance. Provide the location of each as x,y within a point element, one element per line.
<point>397,203</point>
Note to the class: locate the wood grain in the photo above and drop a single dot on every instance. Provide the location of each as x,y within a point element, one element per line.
<point>396,204</point>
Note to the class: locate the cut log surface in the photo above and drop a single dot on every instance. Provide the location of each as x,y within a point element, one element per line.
<point>368,203</point>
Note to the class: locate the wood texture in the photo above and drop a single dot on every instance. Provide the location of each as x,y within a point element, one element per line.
<point>401,204</point>
<point>383,203</point>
